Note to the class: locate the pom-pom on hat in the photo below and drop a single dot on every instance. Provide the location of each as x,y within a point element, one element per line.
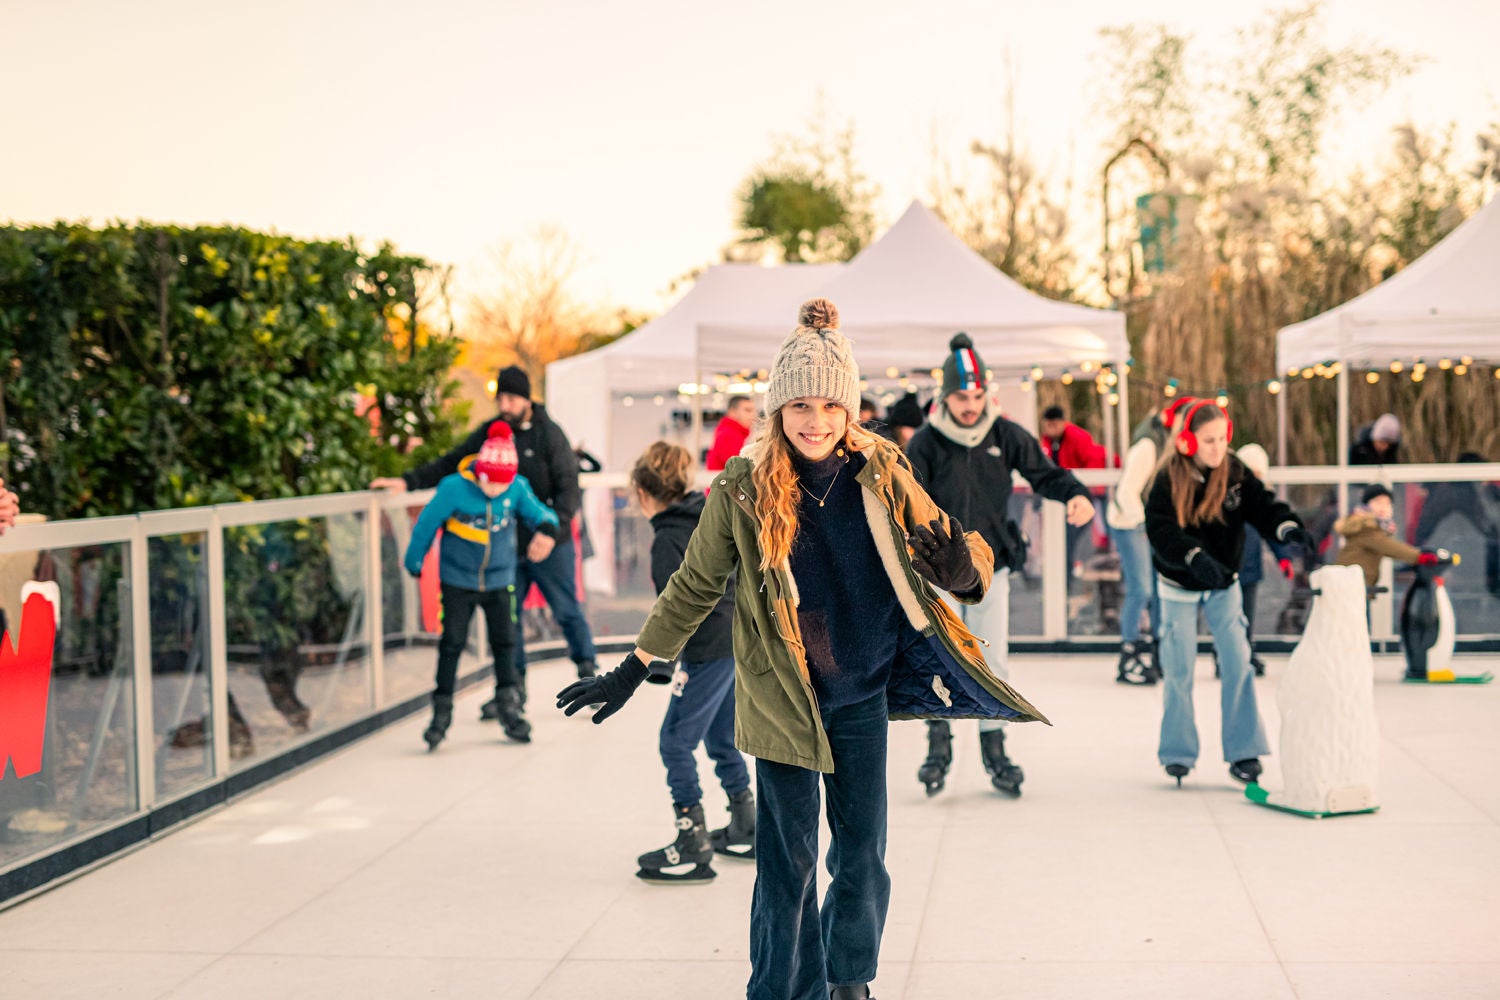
<point>497,459</point>
<point>816,360</point>
<point>964,368</point>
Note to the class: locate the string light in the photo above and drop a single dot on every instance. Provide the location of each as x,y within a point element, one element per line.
<point>936,373</point>
<point>1221,399</point>
<point>1396,367</point>
<point>1036,373</point>
<point>1111,379</point>
<point>1307,373</point>
<point>1420,368</point>
<point>658,400</point>
<point>1291,373</point>
<point>1417,376</point>
<point>1273,386</point>
<point>1087,367</point>
<point>1170,391</point>
<point>892,372</point>
<point>1372,377</point>
<point>1466,360</point>
<point>1460,369</point>
<point>1066,378</point>
<point>628,401</point>
<point>1445,363</point>
<point>1114,399</point>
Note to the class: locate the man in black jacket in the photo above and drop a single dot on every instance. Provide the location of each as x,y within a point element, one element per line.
<point>964,457</point>
<point>549,464</point>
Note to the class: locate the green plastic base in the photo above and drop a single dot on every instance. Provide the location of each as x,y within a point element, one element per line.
<point>1483,678</point>
<point>1261,797</point>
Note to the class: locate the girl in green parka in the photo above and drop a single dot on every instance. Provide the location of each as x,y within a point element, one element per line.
<point>838,628</point>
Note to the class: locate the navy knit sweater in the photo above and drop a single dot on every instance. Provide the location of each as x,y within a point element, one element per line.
<point>849,616</point>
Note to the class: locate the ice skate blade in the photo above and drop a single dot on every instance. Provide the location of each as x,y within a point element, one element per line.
<point>1449,677</point>
<point>1261,797</point>
<point>742,854</point>
<point>700,875</point>
<point>933,787</point>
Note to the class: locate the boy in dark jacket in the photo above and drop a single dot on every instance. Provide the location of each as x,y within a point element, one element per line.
<point>1196,513</point>
<point>479,507</point>
<point>964,457</point>
<point>701,709</point>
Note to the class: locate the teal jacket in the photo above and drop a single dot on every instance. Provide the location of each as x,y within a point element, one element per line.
<point>478,551</point>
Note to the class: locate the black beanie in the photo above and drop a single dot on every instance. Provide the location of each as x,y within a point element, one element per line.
<point>514,380</point>
<point>963,368</point>
<point>1372,491</point>
<point>906,412</point>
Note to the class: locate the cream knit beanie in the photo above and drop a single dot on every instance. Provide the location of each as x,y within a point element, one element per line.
<point>816,360</point>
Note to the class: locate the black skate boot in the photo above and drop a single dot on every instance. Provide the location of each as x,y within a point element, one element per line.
<point>1258,665</point>
<point>1178,771</point>
<point>1133,668</point>
<point>934,770</point>
<point>1004,773</point>
<point>689,854</point>
<point>860,992</point>
<point>586,669</point>
<point>508,704</point>
<point>490,710</point>
<point>737,840</point>
<point>1247,770</point>
<point>442,718</point>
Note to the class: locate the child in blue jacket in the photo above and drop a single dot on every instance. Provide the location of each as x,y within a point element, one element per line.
<point>477,508</point>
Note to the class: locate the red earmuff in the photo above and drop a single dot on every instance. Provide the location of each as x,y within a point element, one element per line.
<point>1187,441</point>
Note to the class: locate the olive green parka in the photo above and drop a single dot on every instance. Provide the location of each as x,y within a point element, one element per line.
<point>776,709</point>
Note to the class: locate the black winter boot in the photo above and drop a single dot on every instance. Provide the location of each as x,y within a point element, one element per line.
<point>934,770</point>
<point>1004,773</point>
<point>690,853</point>
<point>442,718</point>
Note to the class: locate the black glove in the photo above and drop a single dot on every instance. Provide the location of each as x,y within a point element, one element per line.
<point>610,691</point>
<point>943,557</point>
<point>1292,533</point>
<point>1208,571</point>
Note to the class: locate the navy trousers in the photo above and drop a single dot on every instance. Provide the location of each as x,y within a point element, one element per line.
<point>701,710</point>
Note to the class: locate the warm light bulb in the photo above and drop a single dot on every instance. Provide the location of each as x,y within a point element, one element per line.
<point>1307,373</point>
<point>1170,391</point>
<point>1114,399</point>
<point>1396,367</point>
<point>1445,363</point>
<point>1273,387</point>
<point>1036,373</point>
<point>1222,400</point>
<point>1372,377</point>
<point>1066,378</point>
<point>1460,369</point>
<point>1417,376</point>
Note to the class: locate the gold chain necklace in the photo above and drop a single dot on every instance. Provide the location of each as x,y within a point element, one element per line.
<point>835,479</point>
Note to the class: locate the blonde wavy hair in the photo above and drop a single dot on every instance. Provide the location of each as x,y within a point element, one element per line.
<point>776,486</point>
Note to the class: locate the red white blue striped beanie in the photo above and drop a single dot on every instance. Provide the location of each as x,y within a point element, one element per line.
<point>964,368</point>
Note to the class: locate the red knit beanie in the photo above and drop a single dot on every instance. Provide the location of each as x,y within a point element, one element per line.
<point>497,460</point>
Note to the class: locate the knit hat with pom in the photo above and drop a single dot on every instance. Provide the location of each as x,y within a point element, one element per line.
<point>497,459</point>
<point>816,360</point>
<point>964,368</point>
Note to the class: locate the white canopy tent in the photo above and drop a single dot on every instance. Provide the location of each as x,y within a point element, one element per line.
<point>1446,304</point>
<point>900,301</point>
<point>906,294</point>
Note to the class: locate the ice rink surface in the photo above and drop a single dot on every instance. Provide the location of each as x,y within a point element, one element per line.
<point>504,871</point>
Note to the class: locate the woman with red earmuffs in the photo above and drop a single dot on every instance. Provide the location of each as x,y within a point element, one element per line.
<point>1196,512</point>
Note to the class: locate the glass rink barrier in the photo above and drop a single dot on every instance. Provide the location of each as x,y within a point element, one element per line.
<point>178,658</point>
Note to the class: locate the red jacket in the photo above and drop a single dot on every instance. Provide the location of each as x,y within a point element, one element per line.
<point>729,438</point>
<point>1076,449</point>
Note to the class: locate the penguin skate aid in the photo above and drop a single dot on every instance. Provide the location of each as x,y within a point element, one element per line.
<point>1428,628</point>
<point>1329,737</point>
<point>1196,511</point>
<point>964,458</point>
<point>478,508</point>
<point>833,637</point>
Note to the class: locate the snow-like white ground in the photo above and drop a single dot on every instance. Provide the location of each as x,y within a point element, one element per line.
<point>504,871</point>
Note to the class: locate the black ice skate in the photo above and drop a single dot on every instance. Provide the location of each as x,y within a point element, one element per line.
<point>442,718</point>
<point>1004,773</point>
<point>687,858</point>
<point>490,710</point>
<point>508,704</point>
<point>1178,771</point>
<point>1133,667</point>
<point>860,992</point>
<point>934,770</point>
<point>1247,770</point>
<point>737,840</point>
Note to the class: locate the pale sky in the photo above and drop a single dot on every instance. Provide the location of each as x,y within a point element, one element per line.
<point>450,125</point>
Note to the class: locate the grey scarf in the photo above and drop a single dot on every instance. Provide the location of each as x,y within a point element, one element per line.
<point>970,437</point>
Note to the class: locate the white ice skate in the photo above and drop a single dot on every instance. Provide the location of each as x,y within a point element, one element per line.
<point>1329,739</point>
